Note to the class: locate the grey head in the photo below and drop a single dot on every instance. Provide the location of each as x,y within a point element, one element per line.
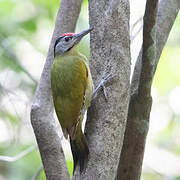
<point>67,41</point>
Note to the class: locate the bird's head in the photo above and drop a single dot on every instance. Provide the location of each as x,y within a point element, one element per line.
<point>67,41</point>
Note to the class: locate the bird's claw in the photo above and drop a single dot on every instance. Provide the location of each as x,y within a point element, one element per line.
<point>102,86</point>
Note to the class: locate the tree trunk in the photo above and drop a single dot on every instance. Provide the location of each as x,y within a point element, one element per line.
<point>110,54</point>
<point>131,159</point>
<point>42,109</point>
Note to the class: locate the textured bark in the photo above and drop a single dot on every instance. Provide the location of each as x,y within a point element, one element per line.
<point>167,13</point>
<point>42,109</point>
<point>110,54</point>
<point>130,163</point>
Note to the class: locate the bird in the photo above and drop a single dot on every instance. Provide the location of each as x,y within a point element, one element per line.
<point>72,92</point>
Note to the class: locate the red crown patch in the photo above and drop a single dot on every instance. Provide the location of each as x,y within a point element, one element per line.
<point>68,34</point>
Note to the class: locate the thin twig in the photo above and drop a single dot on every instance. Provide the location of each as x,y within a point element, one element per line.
<point>11,92</point>
<point>10,100</point>
<point>135,35</point>
<point>132,37</point>
<point>155,171</point>
<point>19,156</point>
<point>37,173</point>
<point>136,23</point>
<point>10,54</point>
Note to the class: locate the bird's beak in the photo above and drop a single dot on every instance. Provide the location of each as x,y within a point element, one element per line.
<point>80,35</point>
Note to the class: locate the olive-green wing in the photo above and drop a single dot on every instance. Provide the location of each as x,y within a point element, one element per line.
<point>68,94</point>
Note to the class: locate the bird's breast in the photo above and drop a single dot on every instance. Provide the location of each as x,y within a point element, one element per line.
<point>68,77</point>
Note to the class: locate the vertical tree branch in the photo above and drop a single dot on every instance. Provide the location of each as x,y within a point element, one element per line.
<point>110,54</point>
<point>42,109</point>
<point>148,49</point>
<point>167,13</point>
<point>140,103</point>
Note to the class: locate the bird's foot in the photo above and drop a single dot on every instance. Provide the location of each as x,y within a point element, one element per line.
<point>102,87</point>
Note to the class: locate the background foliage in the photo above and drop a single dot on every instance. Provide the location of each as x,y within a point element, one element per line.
<point>25,31</point>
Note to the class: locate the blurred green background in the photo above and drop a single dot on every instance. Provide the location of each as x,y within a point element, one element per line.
<point>25,31</point>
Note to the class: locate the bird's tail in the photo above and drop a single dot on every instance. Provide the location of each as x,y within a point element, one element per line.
<point>80,150</point>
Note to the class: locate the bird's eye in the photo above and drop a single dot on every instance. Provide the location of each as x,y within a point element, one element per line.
<point>67,38</point>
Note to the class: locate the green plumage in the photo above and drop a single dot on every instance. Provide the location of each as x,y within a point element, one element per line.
<point>72,90</point>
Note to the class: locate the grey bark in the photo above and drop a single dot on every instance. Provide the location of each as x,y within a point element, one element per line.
<point>135,135</point>
<point>167,13</point>
<point>110,54</point>
<point>106,121</point>
<point>42,108</point>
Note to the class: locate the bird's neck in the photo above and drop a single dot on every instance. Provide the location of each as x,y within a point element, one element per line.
<point>72,52</point>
